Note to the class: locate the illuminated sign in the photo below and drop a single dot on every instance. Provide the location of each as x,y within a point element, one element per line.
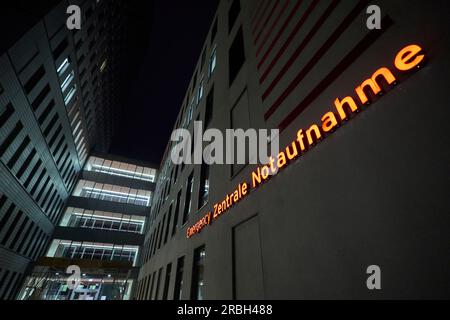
<point>407,59</point>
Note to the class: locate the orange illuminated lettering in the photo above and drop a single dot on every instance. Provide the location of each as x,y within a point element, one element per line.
<point>340,104</point>
<point>244,189</point>
<point>292,155</point>
<point>406,59</point>
<point>300,138</point>
<point>281,160</point>
<point>265,172</point>
<point>256,178</point>
<point>409,58</point>
<point>318,135</point>
<point>329,122</point>
<point>373,84</point>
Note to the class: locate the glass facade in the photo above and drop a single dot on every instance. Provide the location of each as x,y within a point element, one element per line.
<point>101,220</point>
<point>92,251</point>
<point>120,169</point>
<point>107,192</point>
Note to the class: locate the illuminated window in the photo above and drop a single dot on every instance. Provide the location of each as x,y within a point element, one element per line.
<point>67,81</point>
<point>121,169</point>
<point>200,90</point>
<point>103,66</point>
<point>213,60</point>
<point>188,199</point>
<point>92,251</point>
<point>101,220</point>
<point>204,186</point>
<point>63,67</point>
<point>70,95</point>
<point>179,280</point>
<point>198,272</point>
<point>92,190</point>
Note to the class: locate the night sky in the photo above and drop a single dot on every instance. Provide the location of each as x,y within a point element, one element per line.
<point>178,30</point>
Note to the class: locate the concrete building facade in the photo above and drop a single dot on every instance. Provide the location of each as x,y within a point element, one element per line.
<point>58,102</point>
<point>370,188</point>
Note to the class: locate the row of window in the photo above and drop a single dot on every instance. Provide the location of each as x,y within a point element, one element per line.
<point>48,117</point>
<point>236,61</point>
<point>148,288</point>
<point>21,158</point>
<point>49,121</point>
<point>66,76</point>
<point>120,169</point>
<point>92,51</point>
<point>166,181</point>
<point>107,192</point>
<point>100,220</point>
<point>92,251</point>
<point>18,232</point>
<point>10,282</point>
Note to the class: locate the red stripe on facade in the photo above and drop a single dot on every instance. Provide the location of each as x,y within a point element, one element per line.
<point>256,27</point>
<point>272,27</point>
<point>258,11</point>
<point>317,56</point>
<point>277,37</point>
<point>347,61</point>
<point>275,6</point>
<point>291,36</point>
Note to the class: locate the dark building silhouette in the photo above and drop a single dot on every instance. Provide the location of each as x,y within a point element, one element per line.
<point>59,101</point>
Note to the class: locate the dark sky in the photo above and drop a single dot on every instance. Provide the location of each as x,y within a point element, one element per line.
<point>178,30</point>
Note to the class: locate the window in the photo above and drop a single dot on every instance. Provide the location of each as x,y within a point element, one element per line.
<point>12,162</point>
<point>6,114</point>
<point>240,119</point>
<point>236,56</point>
<point>233,14</point>
<point>201,89</point>
<point>103,66</point>
<point>203,59</point>
<point>10,138</point>
<point>213,61</point>
<point>26,164</point>
<point>41,97</point>
<point>214,31</point>
<point>67,81</point>
<point>175,219</point>
<point>70,95</point>
<point>209,107</point>
<point>7,216</point>
<point>198,272</point>
<point>179,280</point>
<point>169,217</point>
<point>34,80</point>
<point>63,67</point>
<point>60,49</point>
<point>204,186</point>
<point>187,202</point>
<point>157,284</point>
<point>46,112</point>
<point>167,282</point>
<point>120,169</point>
<point>150,293</point>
